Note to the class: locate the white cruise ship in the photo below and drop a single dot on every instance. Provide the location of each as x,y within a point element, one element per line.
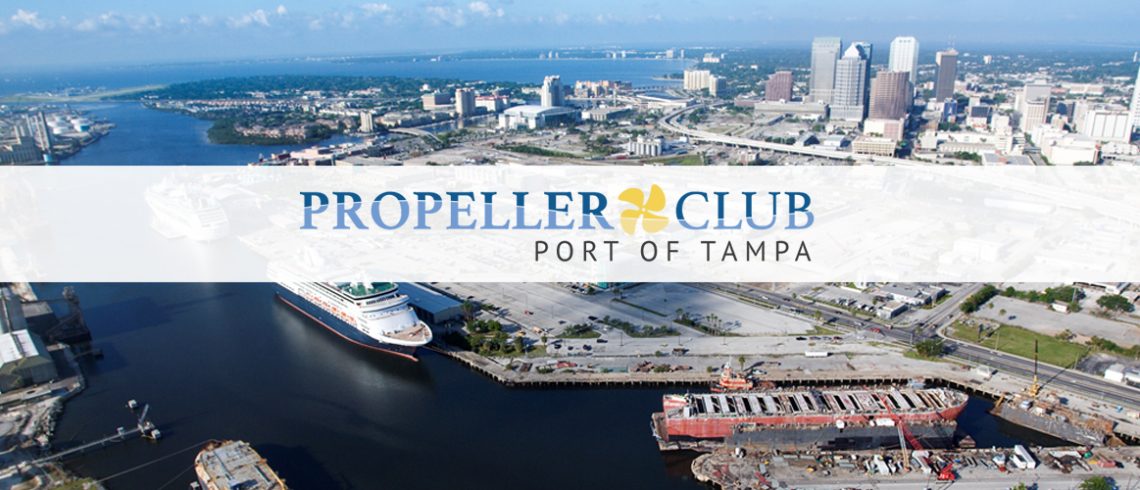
<point>373,314</point>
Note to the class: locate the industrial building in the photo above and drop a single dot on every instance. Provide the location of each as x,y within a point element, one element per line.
<point>534,117</point>
<point>24,361</point>
<point>431,305</point>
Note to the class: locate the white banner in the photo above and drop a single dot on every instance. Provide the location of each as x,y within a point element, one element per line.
<point>569,223</point>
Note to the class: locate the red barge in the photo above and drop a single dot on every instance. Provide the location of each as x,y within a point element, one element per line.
<point>725,415</point>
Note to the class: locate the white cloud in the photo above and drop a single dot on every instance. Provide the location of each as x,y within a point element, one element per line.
<point>113,20</point>
<point>257,17</point>
<point>484,9</point>
<point>29,18</point>
<point>281,10</point>
<point>443,15</point>
<point>375,8</point>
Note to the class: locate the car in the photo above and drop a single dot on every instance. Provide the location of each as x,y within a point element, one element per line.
<point>801,338</point>
<point>587,347</point>
<point>569,347</point>
<point>601,340</point>
<point>592,318</point>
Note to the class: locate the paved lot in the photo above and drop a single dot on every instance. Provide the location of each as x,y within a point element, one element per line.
<point>1040,318</point>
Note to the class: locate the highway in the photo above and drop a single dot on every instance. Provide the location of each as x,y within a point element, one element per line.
<point>669,123</point>
<point>1062,380</point>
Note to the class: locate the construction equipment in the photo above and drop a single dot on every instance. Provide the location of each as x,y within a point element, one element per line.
<point>1036,386</point>
<point>947,473</point>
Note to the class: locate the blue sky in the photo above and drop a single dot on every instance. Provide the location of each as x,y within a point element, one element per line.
<point>57,32</point>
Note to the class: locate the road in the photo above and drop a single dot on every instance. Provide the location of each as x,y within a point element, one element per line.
<point>669,123</point>
<point>1094,387</point>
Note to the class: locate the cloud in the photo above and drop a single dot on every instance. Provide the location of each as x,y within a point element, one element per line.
<point>114,21</point>
<point>484,9</point>
<point>258,17</point>
<point>281,10</point>
<point>375,8</point>
<point>444,15</point>
<point>30,19</point>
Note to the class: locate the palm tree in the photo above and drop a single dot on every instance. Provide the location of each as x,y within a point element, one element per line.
<point>740,359</point>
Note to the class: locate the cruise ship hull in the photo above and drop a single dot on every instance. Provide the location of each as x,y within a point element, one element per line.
<point>340,327</point>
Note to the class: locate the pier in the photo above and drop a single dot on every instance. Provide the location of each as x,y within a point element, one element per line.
<point>143,427</point>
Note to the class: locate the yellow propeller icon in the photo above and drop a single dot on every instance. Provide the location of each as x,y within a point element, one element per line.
<point>645,209</point>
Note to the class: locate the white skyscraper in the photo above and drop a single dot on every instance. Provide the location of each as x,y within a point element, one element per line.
<point>1136,102</point>
<point>551,93</point>
<point>904,56</point>
<point>848,98</point>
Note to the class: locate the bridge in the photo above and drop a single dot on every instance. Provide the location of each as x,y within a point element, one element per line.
<point>416,132</point>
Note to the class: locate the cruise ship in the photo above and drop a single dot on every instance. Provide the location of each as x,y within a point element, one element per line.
<point>179,211</point>
<point>370,314</point>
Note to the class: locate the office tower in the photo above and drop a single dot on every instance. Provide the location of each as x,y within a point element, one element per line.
<point>904,57</point>
<point>890,95</point>
<point>367,125</point>
<point>717,86</point>
<point>1036,113</point>
<point>697,80</point>
<point>947,62</point>
<point>824,56</point>
<point>850,85</point>
<point>551,94</point>
<point>1136,103</point>
<point>465,101</point>
<point>867,49</point>
<point>779,87</point>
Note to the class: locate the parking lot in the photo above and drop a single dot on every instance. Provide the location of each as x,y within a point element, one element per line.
<point>1041,318</point>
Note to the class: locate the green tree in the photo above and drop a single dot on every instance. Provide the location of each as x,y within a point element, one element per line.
<point>740,359</point>
<point>929,347</point>
<point>1115,302</point>
<point>1096,483</point>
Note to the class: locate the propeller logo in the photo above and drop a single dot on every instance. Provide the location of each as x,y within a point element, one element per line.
<point>645,210</point>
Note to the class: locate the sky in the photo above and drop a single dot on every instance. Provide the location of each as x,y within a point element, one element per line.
<point>70,32</point>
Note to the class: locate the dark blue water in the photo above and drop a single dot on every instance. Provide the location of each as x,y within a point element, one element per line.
<point>638,72</point>
<point>229,361</point>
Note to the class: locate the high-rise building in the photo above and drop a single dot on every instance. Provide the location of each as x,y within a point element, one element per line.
<point>890,95</point>
<point>1136,103</point>
<point>779,87</point>
<point>551,94</point>
<point>1036,113</point>
<point>696,80</point>
<point>847,100</point>
<point>904,57</point>
<point>465,102</point>
<point>718,86</point>
<point>867,49</point>
<point>947,62</point>
<point>824,57</point>
<point>367,124</point>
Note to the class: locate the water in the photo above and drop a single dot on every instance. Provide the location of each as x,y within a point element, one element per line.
<point>229,361</point>
<point>149,137</point>
<point>638,72</point>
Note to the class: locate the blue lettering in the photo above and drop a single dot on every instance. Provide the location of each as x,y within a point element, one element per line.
<point>403,210</point>
<point>456,210</point>
<point>343,212</point>
<point>793,209</point>
<point>423,210</point>
<point>681,210</point>
<point>321,204</point>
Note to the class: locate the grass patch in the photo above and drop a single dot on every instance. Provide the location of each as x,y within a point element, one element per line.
<point>644,331</point>
<point>537,151</point>
<point>820,330</point>
<point>642,308</point>
<point>686,159</point>
<point>1019,341</point>
<point>579,331</point>
<point>913,354</point>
